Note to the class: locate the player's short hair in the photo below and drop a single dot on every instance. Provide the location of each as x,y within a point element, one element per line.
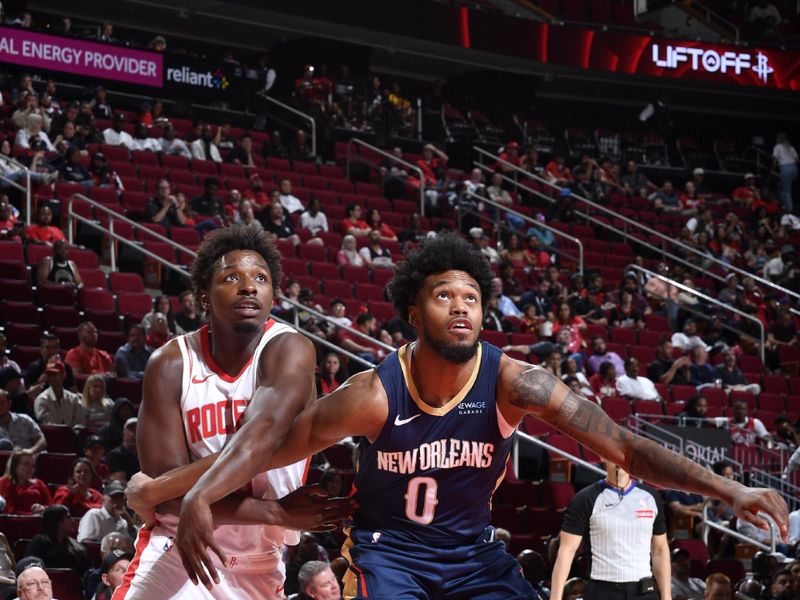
<point>308,571</point>
<point>229,239</point>
<point>442,253</point>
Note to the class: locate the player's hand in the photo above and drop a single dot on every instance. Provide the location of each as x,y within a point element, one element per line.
<point>309,509</point>
<point>748,502</point>
<point>135,496</point>
<point>195,535</point>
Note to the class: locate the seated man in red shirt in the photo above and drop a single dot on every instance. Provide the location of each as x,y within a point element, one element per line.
<point>358,345</point>
<point>353,223</point>
<point>747,193</point>
<point>86,358</point>
<point>43,232</point>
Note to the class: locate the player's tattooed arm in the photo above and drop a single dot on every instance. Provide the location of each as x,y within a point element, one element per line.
<point>534,391</point>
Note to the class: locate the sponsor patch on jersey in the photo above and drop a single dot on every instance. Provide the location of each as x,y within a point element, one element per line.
<point>644,514</point>
<point>168,544</point>
<point>471,408</point>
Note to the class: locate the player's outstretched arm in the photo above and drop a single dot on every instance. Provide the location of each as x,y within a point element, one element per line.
<point>525,389</point>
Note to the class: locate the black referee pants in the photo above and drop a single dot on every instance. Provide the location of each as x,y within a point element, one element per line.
<point>604,590</point>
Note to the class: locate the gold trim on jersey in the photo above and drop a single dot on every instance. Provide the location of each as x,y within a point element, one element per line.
<point>350,579</point>
<point>405,364</point>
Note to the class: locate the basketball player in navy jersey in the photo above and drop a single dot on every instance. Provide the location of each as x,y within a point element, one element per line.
<point>437,419</point>
<point>195,389</point>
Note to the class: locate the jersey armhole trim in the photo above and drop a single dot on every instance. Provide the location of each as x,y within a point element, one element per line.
<point>506,429</point>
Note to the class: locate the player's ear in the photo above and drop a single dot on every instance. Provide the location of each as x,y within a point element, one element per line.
<point>412,315</point>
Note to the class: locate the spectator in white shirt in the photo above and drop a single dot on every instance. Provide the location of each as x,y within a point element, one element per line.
<point>291,204</point>
<point>115,136</point>
<point>171,144</point>
<point>111,517</point>
<point>32,130</point>
<point>633,385</point>
<point>784,160</point>
<point>205,147</point>
<point>56,405</point>
<point>688,338</point>
<point>142,142</point>
<point>314,219</point>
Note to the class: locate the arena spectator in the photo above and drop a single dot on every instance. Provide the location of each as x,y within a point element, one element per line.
<point>664,369</point>
<point>785,160</point>
<point>375,223</point>
<point>209,204</point>
<point>331,375</point>
<point>685,504</point>
<point>95,453</point>
<point>635,182</point>
<point>24,494</point>
<point>590,307</point>
<point>33,136</point>
<point>353,224</point>
<point>28,104</point>
<point>513,288</point>
<point>162,304</point>
<point>765,19</point>
<point>245,213</point>
<point>338,310</point>
<point>242,153</point>
<point>313,218</point>
<point>5,361</point>
<point>158,333</point>
<point>375,255</point>
<point>362,347</point>
<point>43,232</point>
<point>58,268</point>
<point>86,358</point>
<point>35,377</point>
<point>116,135</point>
<point>744,428</point>
<point>274,222</point>
<point>95,402</point>
<point>115,564</point>
<point>576,325</point>
<point>684,586</point>
<point>57,405</point>
<point>8,578</point>
<point>33,582</point>
<point>703,373</point>
<point>505,304</point>
<point>123,461</point>
<point>162,209</point>
<point>601,354</point>
<point>206,146</point>
<point>306,551</point>
<point>317,581</point>
<point>348,254</point>
<point>71,169</point>
<point>695,413</point>
<point>275,147</point>
<point>11,383</point>
<point>172,144</point>
<point>747,193</point>
<point>110,517</point>
<point>604,382</point>
<point>188,319</point>
<point>783,435</point>
<point>718,587</point>
<point>290,203</point>
<point>113,543</point>
<point>78,495</point>
<point>300,148</point>
<point>14,174</point>
<point>634,386</point>
<point>112,434</point>
<point>782,332</point>
<point>731,376</point>
<point>55,546</point>
<point>687,339</point>
<point>256,192</point>
<point>142,141</point>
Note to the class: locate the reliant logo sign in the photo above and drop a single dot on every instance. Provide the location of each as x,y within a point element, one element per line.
<point>710,61</point>
<point>209,79</point>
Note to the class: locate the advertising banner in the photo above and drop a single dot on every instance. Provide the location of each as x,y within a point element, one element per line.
<point>705,445</point>
<point>201,78</point>
<point>89,59</point>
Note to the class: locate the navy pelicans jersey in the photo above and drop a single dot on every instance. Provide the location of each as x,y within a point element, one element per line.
<point>431,472</point>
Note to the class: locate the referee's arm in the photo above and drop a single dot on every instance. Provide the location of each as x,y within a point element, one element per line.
<point>662,569</point>
<point>567,547</point>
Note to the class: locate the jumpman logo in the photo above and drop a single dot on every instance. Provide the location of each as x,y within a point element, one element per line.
<point>762,68</point>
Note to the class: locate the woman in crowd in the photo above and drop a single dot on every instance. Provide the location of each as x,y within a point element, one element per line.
<point>348,255</point>
<point>95,453</point>
<point>514,252</point>
<point>78,495</point>
<point>24,495</point>
<point>331,374</point>
<point>111,434</point>
<point>576,325</point>
<point>385,232</point>
<point>162,305</point>
<point>98,405</point>
<point>55,546</point>
<point>626,313</point>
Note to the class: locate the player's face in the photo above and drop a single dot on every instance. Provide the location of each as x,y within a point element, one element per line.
<point>241,291</point>
<point>448,315</point>
<point>324,586</point>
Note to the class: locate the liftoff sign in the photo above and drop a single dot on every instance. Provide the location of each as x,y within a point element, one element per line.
<point>711,61</point>
<point>104,61</point>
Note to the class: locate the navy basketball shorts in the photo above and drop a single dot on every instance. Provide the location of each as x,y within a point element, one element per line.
<point>385,565</point>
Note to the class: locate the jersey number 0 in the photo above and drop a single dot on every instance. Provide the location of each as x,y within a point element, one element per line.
<point>429,501</point>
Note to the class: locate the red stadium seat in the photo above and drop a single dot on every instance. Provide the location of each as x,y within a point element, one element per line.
<point>54,467</point>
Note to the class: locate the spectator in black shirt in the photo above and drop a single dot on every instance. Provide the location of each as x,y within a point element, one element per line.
<point>123,461</point>
<point>665,370</point>
<point>277,224</point>
<point>696,412</point>
<point>242,153</point>
<point>300,149</point>
<point>72,171</point>
<point>208,204</point>
<point>102,174</point>
<point>55,546</point>
<point>188,319</point>
<point>275,147</point>
<point>162,208</point>
<point>731,375</point>
<point>34,375</point>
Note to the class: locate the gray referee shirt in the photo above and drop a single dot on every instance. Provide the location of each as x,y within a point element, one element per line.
<point>619,530</point>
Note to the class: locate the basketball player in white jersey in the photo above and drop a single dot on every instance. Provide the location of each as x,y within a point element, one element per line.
<point>196,388</point>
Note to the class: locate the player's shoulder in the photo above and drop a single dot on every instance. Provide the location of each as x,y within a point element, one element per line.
<point>288,344</point>
<point>168,356</point>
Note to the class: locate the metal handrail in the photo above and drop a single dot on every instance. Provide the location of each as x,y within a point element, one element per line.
<point>536,223</point>
<point>327,318</point>
<point>112,214</point>
<point>299,113</point>
<point>686,288</point>
<point>711,13</point>
<point>709,524</point>
<point>391,156</point>
<point>560,452</point>
<point>632,222</point>
<point>26,189</point>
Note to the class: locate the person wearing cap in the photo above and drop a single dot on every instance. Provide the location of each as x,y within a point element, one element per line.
<point>701,187</point>
<point>102,174</point>
<point>509,154</point>
<point>33,583</point>
<point>57,405</point>
<point>115,564</point>
<point>123,461</point>
<point>95,452</point>
<point>115,135</point>
<point>112,542</point>
<point>111,516</point>
<point>11,384</point>
<point>685,587</point>
<point>86,358</point>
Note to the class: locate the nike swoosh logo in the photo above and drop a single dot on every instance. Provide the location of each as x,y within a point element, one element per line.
<point>196,380</point>
<point>399,422</point>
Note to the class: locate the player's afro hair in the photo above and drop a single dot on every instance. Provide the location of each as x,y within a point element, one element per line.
<point>229,239</point>
<point>443,253</point>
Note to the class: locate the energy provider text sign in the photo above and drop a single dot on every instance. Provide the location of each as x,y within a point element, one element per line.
<point>103,61</point>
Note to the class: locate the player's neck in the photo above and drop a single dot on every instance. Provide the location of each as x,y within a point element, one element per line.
<point>437,380</point>
<point>231,349</point>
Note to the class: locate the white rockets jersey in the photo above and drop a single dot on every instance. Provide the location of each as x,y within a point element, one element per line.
<point>212,402</point>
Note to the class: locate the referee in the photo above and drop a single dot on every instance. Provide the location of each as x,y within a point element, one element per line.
<point>624,524</point>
